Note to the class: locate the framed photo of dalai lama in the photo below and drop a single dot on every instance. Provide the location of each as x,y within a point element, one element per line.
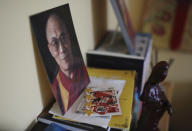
<point>58,46</point>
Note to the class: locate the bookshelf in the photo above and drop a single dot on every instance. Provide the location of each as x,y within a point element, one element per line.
<point>100,28</point>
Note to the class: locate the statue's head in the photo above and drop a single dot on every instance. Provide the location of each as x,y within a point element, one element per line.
<point>159,72</point>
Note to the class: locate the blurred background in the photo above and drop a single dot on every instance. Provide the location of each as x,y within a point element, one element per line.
<point>23,78</point>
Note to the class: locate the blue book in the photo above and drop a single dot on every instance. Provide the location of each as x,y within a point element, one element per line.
<point>55,127</point>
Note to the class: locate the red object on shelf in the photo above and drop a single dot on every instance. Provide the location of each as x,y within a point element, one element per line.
<point>181,14</point>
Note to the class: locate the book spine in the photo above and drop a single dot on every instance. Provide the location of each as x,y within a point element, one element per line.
<point>62,125</point>
<point>76,126</point>
<point>125,34</point>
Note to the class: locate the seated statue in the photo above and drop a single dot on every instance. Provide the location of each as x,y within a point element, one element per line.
<point>154,101</point>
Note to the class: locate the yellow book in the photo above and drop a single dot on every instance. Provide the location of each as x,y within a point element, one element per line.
<point>126,98</point>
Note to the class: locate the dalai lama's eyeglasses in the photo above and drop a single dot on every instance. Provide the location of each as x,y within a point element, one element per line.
<point>63,39</point>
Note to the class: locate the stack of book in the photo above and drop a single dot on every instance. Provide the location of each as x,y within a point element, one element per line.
<point>125,50</point>
<point>107,78</point>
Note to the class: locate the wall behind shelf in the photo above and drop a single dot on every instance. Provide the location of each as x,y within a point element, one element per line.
<point>180,74</point>
<point>24,86</point>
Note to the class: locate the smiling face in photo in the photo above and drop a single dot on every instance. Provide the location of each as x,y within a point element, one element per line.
<point>59,43</point>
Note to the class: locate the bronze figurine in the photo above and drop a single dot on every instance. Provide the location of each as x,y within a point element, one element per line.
<point>155,103</point>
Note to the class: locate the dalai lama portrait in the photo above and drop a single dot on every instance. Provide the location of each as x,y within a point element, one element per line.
<point>71,76</point>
